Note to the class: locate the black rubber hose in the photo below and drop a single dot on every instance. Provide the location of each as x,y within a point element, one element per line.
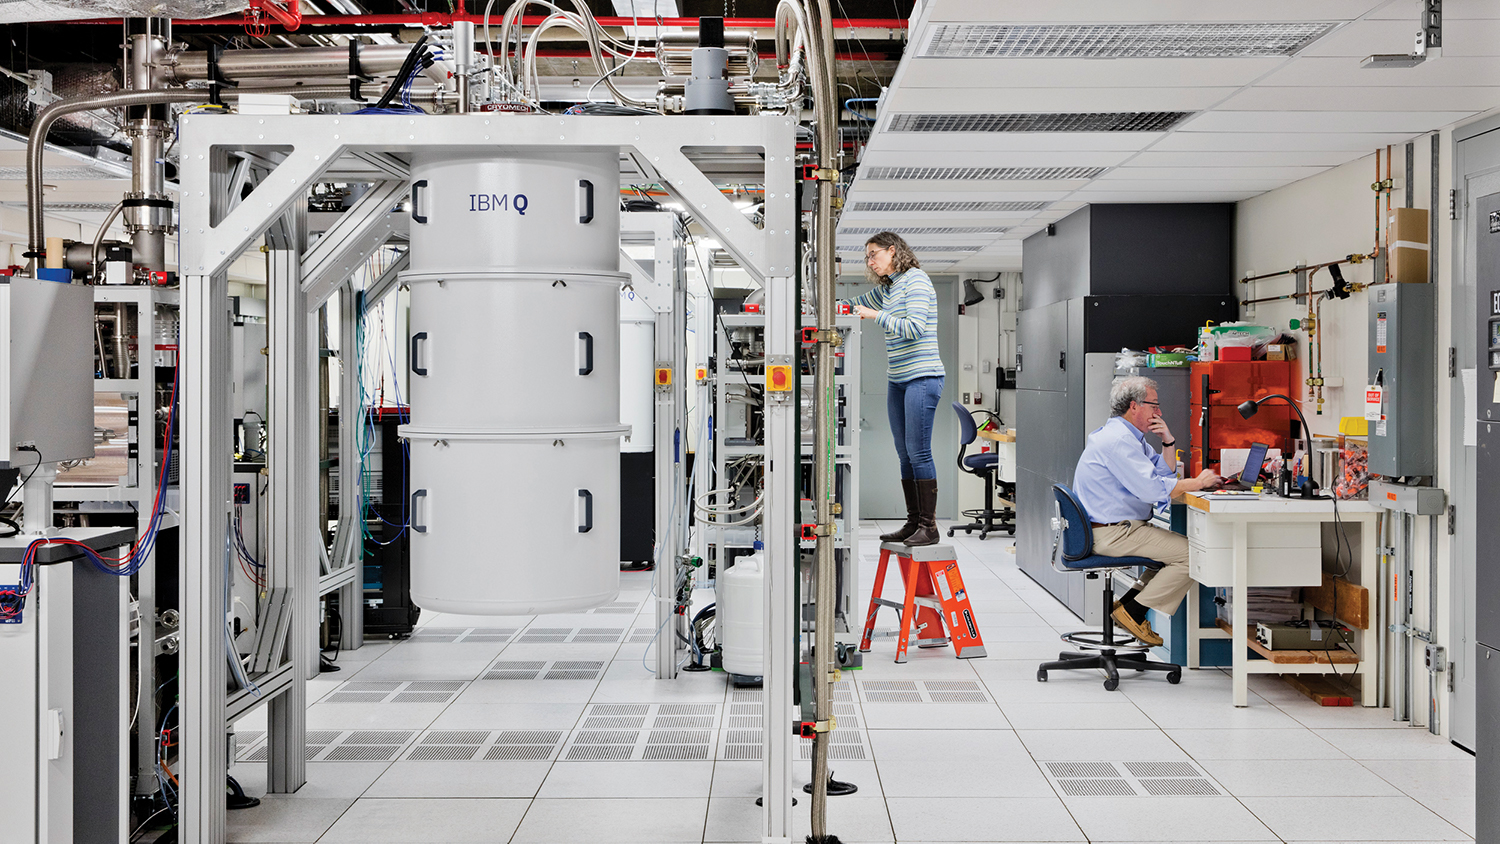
<point>405,71</point>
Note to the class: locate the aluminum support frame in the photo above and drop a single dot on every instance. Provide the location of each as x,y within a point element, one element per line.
<point>222,235</point>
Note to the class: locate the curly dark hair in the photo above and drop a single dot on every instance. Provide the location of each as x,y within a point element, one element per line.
<point>901,261</point>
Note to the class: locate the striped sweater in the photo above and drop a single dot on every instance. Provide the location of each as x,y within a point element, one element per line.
<point>908,313</point>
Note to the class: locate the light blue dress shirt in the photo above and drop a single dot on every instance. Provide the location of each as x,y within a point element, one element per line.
<point>1119,476</point>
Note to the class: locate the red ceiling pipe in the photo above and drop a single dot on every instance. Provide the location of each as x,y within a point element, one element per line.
<point>444,19</point>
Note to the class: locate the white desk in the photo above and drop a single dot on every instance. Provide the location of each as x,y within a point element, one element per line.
<point>1278,558</point>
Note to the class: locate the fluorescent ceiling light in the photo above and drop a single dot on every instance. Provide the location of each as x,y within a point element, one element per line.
<point>928,230</point>
<point>1119,41</point>
<point>1123,121</point>
<point>937,247</point>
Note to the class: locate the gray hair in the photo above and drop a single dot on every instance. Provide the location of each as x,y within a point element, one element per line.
<point>1127,391</point>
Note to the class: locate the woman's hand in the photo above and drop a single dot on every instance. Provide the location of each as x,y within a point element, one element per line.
<point>865,313</point>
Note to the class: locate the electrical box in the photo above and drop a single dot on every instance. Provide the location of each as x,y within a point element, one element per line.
<point>1403,364</point>
<point>46,371</point>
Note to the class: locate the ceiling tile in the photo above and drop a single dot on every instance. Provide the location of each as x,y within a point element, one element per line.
<point>1094,196</point>
<point>1470,99</point>
<point>1055,189</point>
<point>1008,98</point>
<point>1218,158</point>
<point>1098,11</point>
<point>1257,141</point>
<point>1452,10</point>
<point>1083,73</point>
<point>1136,173</point>
<point>1201,185</point>
<point>996,142</point>
<point>1346,72</point>
<point>1322,122</point>
<point>1014,158</point>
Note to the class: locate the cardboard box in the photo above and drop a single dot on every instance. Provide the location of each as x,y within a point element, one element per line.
<point>1235,352</point>
<point>1281,351</point>
<point>1407,237</point>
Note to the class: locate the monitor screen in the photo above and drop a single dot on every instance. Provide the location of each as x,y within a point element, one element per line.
<point>1253,463</point>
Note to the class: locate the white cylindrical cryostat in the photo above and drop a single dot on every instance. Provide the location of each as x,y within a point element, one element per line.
<point>515,381</point>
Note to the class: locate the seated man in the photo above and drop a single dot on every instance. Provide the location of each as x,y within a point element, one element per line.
<point>1119,481</point>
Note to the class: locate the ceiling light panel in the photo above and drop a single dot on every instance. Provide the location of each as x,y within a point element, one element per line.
<point>1122,41</point>
<point>921,230</point>
<point>1121,121</point>
<point>974,207</point>
<point>987,174</point>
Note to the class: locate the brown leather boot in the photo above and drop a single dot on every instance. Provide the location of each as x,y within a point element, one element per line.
<point>927,530</point>
<point>909,489</point>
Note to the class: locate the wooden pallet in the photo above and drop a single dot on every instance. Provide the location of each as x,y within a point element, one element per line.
<point>1322,690</point>
<point>1333,656</point>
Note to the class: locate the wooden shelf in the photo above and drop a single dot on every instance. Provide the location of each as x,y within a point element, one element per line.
<point>1332,656</point>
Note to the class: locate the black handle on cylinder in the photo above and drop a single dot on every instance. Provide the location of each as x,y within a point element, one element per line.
<point>1062,360</point>
<point>588,353</point>
<point>417,495</point>
<point>586,213</point>
<point>416,186</point>
<point>588,511</point>
<point>415,339</point>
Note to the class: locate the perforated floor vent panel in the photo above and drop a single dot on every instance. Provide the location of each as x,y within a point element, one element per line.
<point>463,634</point>
<point>395,691</point>
<point>484,745</point>
<point>1092,121</point>
<point>923,691</point>
<point>1130,779</point>
<point>541,669</point>
<point>1113,41</point>
<point>621,731</point>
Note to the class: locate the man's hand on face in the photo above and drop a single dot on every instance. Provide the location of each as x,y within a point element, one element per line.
<point>1209,479</point>
<point>1158,426</point>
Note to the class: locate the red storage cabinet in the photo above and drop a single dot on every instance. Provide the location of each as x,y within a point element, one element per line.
<point>1228,383</point>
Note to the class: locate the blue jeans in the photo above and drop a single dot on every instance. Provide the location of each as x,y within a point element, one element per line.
<point>912,406</point>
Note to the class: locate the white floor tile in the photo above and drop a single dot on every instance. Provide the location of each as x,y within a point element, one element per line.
<point>1293,778</point>
<point>437,779</point>
<point>1009,775</point>
<point>1100,745</point>
<point>1372,818</point>
<point>1445,787</point>
<point>613,821</point>
<point>434,821</point>
<point>285,819</point>
<point>324,779</point>
<point>982,819</point>
<point>929,745</point>
<point>1117,714</point>
<point>528,691</point>
<point>1409,743</point>
<point>628,779</point>
<point>1194,819</point>
<point>933,716</point>
<point>1254,744</point>
<point>921,663</point>
<point>372,716</point>
<point>854,818</point>
<point>1220,714</point>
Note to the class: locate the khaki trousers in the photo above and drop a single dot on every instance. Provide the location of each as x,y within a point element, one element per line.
<point>1164,588</point>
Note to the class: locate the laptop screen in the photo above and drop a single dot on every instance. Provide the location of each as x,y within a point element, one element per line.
<point>1253,463</point>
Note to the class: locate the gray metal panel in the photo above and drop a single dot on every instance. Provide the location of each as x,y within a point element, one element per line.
<point>1403,346</point>
<point>1034,506</point>
<point>1165,248</point>
<point>52,370</point>
<point>1487,741</point>
<point>1042,339</point>
<point>1487,537</point>
<point>1056,266</point>
<point>98,702</point>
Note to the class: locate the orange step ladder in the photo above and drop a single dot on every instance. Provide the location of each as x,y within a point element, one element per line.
<point>935,600</point>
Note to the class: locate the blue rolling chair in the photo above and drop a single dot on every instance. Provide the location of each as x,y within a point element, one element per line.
<point>1073,551</point>
<point>984,465</point>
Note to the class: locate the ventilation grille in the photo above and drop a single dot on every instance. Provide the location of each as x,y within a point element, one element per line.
<point>463,634</point>
<point>420,691</point>
<point>66,206</point>
<point>545,670</point>
<point>1095,121</point>
<point>940,247</point>
<point>1130,779</point>
<point>985,174</point>
<point>976,207</point>
<point>1116,41</point>
<point>915,230</point>
<point>923,691</point>
<point>66,174</point>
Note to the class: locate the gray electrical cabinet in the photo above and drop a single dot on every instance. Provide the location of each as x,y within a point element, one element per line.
<point>1403,361</point>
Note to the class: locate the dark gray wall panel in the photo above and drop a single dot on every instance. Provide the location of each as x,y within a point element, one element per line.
<point>1162,248</point>
<point>1056,267</point>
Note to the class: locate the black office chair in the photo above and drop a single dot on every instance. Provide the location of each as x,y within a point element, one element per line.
<point>985,465</point>
<point>1073,551</point>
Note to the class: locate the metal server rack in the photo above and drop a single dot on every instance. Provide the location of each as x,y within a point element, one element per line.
<point>156,320</point>
<point>733,377</point>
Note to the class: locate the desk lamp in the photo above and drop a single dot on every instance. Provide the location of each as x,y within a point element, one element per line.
<point>1248,409</point>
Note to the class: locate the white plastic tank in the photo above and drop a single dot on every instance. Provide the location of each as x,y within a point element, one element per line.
<point>515,381</point>
<point>741,615</point>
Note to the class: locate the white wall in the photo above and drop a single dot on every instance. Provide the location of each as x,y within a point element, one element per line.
<point>986,340</point>
<point>1323,218</point>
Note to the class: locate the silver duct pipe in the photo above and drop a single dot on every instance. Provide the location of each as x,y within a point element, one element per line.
<point>824,662</point>
<point>297,63</point>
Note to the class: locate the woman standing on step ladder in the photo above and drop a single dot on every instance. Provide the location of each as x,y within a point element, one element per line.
<point>904,303</point>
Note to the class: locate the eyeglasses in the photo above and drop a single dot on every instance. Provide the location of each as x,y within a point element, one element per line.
<point>1152,403</point>
<point>870,255</point>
